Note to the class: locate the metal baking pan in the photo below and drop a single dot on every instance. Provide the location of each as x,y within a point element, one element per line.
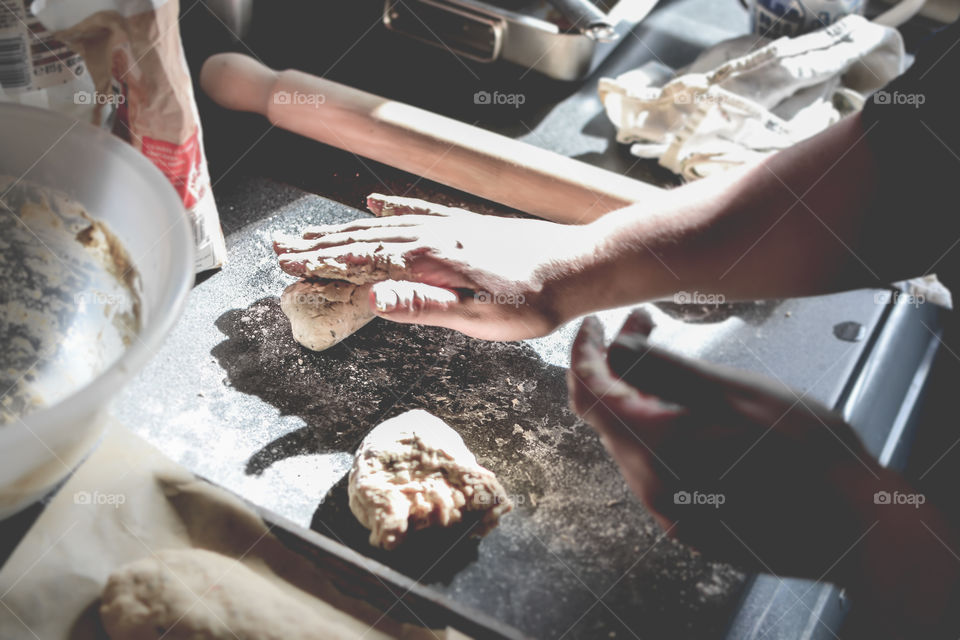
<point>381,587</point>
<point>525,34</point>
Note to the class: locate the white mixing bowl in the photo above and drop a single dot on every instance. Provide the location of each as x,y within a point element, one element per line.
<point>85,363</point>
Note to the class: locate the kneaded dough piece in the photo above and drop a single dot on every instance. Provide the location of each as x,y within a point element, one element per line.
<point>324,312</point>
<point>412,472</point>
<point>193,594</point>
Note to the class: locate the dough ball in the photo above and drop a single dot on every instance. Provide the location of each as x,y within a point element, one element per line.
<point>324,312</point>
<point>414,471</point>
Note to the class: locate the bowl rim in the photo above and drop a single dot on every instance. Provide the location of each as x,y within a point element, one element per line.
<point>96,395</point>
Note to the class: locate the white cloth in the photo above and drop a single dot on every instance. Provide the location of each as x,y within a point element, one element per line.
<point>747,98</point>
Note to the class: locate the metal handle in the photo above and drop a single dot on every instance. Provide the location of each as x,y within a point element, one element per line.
<point>462,30</point>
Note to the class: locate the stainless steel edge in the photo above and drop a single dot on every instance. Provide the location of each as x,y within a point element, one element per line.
<point>525,40</point>
<point>881,404</point>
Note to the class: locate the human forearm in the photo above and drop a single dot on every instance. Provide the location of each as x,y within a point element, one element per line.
<point>787,227</point>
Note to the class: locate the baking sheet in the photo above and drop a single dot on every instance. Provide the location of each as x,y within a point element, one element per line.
<point>127,502</point>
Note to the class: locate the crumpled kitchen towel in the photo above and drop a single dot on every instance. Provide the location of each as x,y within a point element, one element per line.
<point>749,97</point>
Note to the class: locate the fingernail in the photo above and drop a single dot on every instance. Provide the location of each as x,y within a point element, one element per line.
<point>640,322</point>
<point>593,331</point>
<point>280,243</point>
<point>293,266</point>
<point>375,203</point>
<point>387,300</point>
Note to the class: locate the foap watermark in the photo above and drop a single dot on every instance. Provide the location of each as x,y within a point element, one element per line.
<point>508,299</point>
<point>306,299</point>
<point>100,298</point>
<point>497,98</point>
<point>484,498</point>
<point>699,499</point>
<point>98,498</point>
<point>686,97</point>
<point>299,97</point>
<point>698,297</point>
<point>899,297</point>
<point>898,98</point>
<point>97,98</point>
<point>897,498</point>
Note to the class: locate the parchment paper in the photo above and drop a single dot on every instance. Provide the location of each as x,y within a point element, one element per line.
<point>128,501</point>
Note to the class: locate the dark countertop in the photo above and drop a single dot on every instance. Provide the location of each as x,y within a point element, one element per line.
<point>233,398</point>
<point>258,414</point>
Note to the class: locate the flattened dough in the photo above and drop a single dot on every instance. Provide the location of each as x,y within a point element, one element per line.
<point>324,312</point>
<point>414,471</point>
<point>194,594</point>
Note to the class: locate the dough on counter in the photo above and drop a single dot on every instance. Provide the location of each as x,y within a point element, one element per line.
<point>188,594</point>
<point>329,302</point>
<point>414,471</point>
<point>324,312</point>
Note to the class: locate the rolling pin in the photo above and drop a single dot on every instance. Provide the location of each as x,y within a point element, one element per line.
<point>459,155</point>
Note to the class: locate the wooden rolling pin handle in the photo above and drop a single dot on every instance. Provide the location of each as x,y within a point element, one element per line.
<point>238,82</point>
<point>492,166</point>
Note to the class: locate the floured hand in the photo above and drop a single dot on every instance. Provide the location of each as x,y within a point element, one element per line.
<point>489,277</point>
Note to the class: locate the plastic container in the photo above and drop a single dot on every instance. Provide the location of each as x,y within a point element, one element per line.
<point>117,185</point>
